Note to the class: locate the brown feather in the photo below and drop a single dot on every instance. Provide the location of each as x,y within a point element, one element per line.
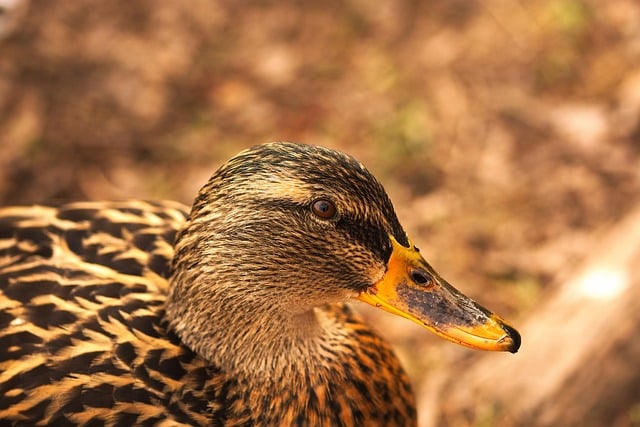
<point>103,320</point>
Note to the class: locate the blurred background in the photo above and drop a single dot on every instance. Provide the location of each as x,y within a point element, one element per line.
<point>507,133</point>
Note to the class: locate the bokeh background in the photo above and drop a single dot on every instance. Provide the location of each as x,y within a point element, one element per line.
<point>506,132</point>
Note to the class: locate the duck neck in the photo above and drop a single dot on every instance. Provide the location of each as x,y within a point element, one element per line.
<point>248,338</point>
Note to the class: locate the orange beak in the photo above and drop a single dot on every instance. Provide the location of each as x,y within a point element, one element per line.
<point>412,289</point>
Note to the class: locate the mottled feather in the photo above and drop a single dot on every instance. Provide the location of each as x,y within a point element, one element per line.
<point>84,337</point>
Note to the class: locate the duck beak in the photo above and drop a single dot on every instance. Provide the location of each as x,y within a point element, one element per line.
<point>412,289</point>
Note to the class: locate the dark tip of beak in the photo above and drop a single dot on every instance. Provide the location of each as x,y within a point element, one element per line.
<point>515,337</point>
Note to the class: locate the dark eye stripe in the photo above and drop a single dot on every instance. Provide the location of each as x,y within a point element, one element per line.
<point>370,234</point>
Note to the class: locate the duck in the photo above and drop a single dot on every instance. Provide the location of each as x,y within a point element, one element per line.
<point>235,312</point>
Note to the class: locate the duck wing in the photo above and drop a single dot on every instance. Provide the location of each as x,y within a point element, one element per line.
<point>82,336</point>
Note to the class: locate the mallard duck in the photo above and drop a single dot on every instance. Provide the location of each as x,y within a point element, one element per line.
<point>139,313</point>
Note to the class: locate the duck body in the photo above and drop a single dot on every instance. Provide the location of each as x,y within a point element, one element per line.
<point>84,340</point>
<point>232,313</point>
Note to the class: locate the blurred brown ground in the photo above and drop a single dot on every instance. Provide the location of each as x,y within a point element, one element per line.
<point>506,132</point>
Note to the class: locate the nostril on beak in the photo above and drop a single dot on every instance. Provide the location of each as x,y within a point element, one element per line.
<point>420,277</point>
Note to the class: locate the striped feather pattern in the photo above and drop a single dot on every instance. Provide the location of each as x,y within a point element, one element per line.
<point>84,341</point>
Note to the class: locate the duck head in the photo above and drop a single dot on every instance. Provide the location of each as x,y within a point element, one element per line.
<point>282,229</point>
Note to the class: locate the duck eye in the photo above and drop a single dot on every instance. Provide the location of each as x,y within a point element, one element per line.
<point>323,208</point>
